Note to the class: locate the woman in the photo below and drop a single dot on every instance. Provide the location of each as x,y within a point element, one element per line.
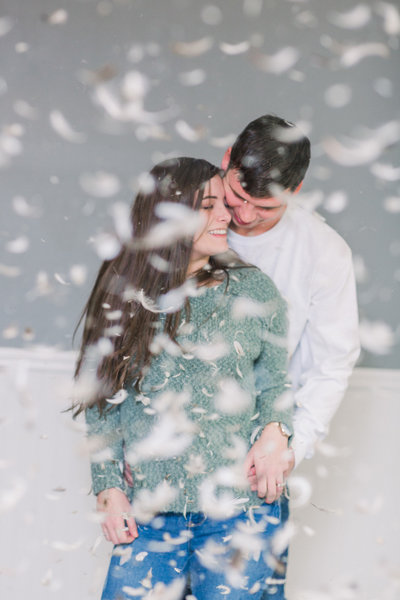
<point>189,355</point>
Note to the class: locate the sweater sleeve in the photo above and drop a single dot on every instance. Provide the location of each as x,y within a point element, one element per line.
<point>274,396</point>
<point>106,445</point>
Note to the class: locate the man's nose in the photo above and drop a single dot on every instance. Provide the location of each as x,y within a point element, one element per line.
<point>246,211</point>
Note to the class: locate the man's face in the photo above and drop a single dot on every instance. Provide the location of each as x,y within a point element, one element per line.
<point>250,215</point>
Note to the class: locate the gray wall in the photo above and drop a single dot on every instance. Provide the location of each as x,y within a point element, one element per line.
<point>51,67</point>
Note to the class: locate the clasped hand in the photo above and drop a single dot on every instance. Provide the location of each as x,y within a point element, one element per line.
<point>267,466</point>
<point>269,463</point>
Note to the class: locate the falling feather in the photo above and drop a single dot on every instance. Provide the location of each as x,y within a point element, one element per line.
<point>211,15</point>
<point>392,204</point>
<point>148,503</point>
<point>187,132</point>
<point>118,397</point>
<point>231,398</point>
<point>58,17</point>
<point>6,24</point>
<point>192,49</point>
<point>252,8</point>
<point>78,274</point>
<point>122,222</point>
<point>385,172</point>
<point>355,18</point>
<point>10,497</point>
<point>10,332</point>
<point>376,337</point>
<point>277,63</point>
<point>9,271</point>
<point>336,202</point>
<point>140,297</point>
<point>234,49</point>
<point>391,17</point>
<point>19,245</point>
<point>21,47</point>
<point>191,78</point>
<point>243,308</point>
<point>106,245</point>
<point>383,87</point>
<point>67,547</point>
<point>356,152</point>
<point>223,506</point>
<point>61,126</point>
<point>141,556</point>
<point>300,490</point>
<point>179,222</point>
<point>60,279</point>
<point>352,55</point>
<point>133,592</point>
<point>338,95</point>
<point>360,269</point>
<point>135,86</point>
<point>223,142</point>
<point>25,110</point>
<point>24,209</point>
<point>100,184</point>
<point>171,434</point>
<point>283,536</point>
<point>211,352</point>
<point>126,110</point>
<point>195,465</point>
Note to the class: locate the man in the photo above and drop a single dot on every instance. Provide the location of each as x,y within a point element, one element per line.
<point>311,266</point>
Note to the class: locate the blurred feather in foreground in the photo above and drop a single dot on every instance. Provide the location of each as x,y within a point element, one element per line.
<point>192,49</point>
<point>376,336</point>
<point>278,63</point>
<point>61,126</point>
<point>147,504</point>
<point>99,184</point>
<point>354,152</point>
<point>355,18</point>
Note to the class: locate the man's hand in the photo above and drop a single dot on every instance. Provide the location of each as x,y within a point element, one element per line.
<point>269,463</point>
<point>118,526</point>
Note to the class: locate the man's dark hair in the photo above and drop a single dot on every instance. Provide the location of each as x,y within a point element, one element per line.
<point>270,152</point>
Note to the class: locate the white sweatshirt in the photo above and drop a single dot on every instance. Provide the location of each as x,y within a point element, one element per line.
<point>312,267</point>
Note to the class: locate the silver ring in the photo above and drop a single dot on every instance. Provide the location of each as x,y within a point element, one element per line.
<point>281,485</point>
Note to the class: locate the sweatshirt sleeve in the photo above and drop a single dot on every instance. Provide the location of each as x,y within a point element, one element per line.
<point>275,400</point>
<point>105,437</point>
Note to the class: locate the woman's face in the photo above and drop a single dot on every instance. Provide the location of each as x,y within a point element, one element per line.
<point>211,238</point>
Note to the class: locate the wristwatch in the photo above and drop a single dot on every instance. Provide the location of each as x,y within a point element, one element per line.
<point>284,429</point>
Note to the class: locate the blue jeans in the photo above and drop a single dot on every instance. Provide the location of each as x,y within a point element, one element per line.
<point>228,557</point>
<point>276,589</point>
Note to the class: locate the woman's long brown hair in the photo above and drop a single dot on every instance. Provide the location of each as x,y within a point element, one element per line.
<point>135,268</point>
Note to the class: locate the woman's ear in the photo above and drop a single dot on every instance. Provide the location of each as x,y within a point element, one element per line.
<point>226,158</point>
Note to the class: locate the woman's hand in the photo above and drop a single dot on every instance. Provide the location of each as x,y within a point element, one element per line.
<point>269,463</point>
<point>118,526</point>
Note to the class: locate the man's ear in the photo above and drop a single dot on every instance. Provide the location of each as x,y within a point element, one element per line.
<point>226,158</point>
<point>298,187</point>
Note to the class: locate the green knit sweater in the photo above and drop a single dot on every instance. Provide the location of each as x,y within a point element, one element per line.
<point>202,401</point>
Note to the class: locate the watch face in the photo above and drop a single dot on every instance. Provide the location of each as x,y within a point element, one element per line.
<point>284,429</point>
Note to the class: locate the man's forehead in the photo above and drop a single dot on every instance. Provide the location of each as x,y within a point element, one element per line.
<point>232,178</point>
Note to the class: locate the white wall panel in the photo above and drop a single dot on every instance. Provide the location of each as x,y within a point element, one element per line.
<point>346,546</point>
